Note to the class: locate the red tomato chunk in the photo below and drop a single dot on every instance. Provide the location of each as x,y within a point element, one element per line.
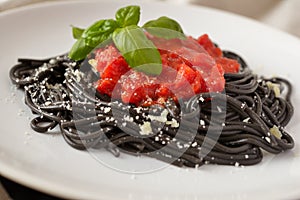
<point>190,67</point>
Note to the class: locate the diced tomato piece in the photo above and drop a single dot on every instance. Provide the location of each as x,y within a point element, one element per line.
<point>106,86</point>
<point>209,46</point>
<point>229,65</point>
<point>115,69</point>
<point>135,96</point>
<point>163,92</point>
<point>111,66</point>
<point>216,81</point>
<point>172,45</point>
<point>199,85</point>
<point>184,79</point>
<point>106,56</point>
<point>213,78</point>
<point>138,87</point>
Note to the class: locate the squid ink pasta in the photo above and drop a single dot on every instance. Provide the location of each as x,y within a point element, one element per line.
<point>253,119</point>
<point>184,102</point>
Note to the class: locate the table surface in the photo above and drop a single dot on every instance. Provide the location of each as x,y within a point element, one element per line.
<point>280,14</point>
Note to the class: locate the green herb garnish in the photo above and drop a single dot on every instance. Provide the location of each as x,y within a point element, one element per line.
<point>130,39</point>
<point>77,32</point>
<point>139,52</point>
<point>164,27</point>
<point>128,16</point>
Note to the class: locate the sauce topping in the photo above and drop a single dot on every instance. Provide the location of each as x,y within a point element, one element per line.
<point>190,66</point>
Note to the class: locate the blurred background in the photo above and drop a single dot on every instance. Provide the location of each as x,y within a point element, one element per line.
<point>281,14</point>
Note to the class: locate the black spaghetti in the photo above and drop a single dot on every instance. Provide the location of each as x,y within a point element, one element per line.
<point>253,119</point>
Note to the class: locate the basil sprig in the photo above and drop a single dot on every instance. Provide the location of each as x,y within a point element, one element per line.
<point>91,37</point>
<point>164,27</point>
<point>128,16</point>
<point>139,52</point>
<point>164,22</point>
<point>77,32</point>
<point>130,39</point>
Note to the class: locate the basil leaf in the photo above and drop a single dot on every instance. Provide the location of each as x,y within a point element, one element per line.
<point>77,32</point>
<point>164,27</point>
<point>99,32</point>
<point>139,52</point>
<point>164,22</point>
<point>91,37</point>
<point>165,33</point>
<point>79,50</point>
<point>127,16</point>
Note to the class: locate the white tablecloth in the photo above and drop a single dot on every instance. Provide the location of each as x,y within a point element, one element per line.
<point>281,14</point>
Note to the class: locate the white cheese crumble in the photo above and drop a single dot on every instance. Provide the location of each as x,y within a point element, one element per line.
<point>274,87</point>
<point>179,145</point>
<point>201,99</point>
<point>107,109</point>
<point>194,144</point>
<point>138,109</point>
<point>173,123</point>
<point>146,128</point>
<point>219,109</point>
<point>276,132</point>
<point>243,105</point>
<point>93,63</point>
<point>53,61</point>
<point>47,103</point>
<point>246,120</point>
<point>161,118</point>
<point>202,122</point>
<point>128,118</point>
<point>78,74</point>
<point>268,139</point>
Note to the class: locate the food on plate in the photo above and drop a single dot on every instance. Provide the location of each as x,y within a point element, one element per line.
<point>153,90</point>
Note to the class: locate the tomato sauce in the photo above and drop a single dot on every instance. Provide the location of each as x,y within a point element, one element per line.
<point>190,66</point>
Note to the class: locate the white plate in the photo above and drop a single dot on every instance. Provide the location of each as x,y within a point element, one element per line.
<point>48,164</point>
